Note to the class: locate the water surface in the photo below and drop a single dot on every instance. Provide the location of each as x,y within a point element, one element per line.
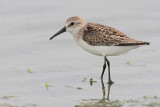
<point>42,73</point>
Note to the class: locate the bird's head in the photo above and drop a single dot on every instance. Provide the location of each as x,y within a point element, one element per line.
<point>72,25</point>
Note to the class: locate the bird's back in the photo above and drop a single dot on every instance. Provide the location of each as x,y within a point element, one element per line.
<point>101,35</point>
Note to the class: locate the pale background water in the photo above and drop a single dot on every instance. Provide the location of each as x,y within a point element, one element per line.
<point>25,29</point>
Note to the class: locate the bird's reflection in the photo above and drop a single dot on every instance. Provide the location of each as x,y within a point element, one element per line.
<point>104,102</point>
<point>104,91</point>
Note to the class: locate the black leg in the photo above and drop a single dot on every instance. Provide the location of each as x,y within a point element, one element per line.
<point>103,89</point>
<point>104,67</point>
<point>109,76</point>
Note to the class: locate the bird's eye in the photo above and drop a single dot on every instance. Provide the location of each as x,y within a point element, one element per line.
<point>72,23</point>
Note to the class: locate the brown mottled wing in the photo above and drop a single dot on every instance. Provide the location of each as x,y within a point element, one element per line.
<point>97,34</point>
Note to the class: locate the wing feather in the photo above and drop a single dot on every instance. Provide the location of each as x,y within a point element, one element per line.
<point>97,34</point>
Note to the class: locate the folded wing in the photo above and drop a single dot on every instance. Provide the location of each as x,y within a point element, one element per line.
<point>99,35</point>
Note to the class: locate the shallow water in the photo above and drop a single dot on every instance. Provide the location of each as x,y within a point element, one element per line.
<point>36,72</point>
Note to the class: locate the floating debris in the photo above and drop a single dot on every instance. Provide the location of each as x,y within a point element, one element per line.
<point>146,97</point>
<point>129,63</point>
<point>30,105</point>
<point>30,70</point>
<point>79,88</point>
<point>9,96</point>
<point>91,81</point>
<point>47,85</point>
<point>84,80</point>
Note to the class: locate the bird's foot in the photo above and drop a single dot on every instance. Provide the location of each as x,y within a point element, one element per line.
<point>110,82</point>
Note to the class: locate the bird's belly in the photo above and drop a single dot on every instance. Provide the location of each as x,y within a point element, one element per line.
<point>105,50</point>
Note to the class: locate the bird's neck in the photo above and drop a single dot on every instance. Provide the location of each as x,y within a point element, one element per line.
<point>78,35</point>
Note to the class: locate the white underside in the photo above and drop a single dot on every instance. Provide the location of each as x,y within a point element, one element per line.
<point>105,50</point>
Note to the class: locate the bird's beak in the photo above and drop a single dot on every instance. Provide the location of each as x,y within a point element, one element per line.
<point>59,32</point>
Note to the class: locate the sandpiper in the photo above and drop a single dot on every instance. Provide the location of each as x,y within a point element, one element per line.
<point>99,39</point>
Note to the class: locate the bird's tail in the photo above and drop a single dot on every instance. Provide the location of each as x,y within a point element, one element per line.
<point>144,43</point>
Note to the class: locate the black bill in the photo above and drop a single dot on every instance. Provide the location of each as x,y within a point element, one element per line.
<point>59,32</point>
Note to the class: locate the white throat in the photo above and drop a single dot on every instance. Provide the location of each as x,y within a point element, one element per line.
<point>74,31</point>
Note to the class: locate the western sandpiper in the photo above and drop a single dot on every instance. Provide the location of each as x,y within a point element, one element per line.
<point>99,40</point>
